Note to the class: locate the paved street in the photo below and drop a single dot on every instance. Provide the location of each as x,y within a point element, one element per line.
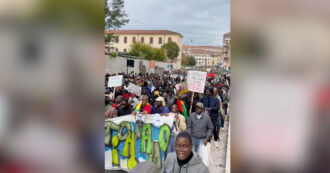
<point>218,155</point>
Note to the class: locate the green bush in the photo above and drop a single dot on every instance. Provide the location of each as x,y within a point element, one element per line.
<point>113,54</point>
<point>147,52</point>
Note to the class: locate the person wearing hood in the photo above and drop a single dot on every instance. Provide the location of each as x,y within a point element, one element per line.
<point>184,159</point>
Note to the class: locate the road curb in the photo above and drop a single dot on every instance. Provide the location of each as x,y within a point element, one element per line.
<point>227,167</point>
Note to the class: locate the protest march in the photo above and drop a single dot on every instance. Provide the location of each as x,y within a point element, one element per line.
<point>164,122</point>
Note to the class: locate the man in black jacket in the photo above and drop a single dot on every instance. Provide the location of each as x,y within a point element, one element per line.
<point>124,108</point>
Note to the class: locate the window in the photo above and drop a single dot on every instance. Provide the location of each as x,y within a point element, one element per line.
<point>142,39</point>
<point>125,50</point>
<point>116,50</point>
<point>151,40</point>
<point>134,40</point>
<point>160,40</point>
<point>125,39</point>
<point>117,39</point>
<point>169,39</point>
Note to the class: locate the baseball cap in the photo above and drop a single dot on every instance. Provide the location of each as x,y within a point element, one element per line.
<point>160,99</point>
<point>200,105</point>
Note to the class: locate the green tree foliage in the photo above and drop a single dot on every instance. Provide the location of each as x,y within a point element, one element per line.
<point>171,50</point>
<point>188,61</point>
<point>191,61</point>
<point>115,17</point>
<point>184,60</point>
<point>147,52</point>
<point>113,54</point>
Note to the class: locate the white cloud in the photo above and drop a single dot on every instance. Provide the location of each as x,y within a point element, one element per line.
<point>203,21</point>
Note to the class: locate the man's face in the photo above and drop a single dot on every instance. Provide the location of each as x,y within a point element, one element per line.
<point>174,109</point>
<point>144,101</point>
<point>107,91</point>
<point>159,103</point>
<point>118,100</point>
<point>182,148</point>
<point>215,91</point>
<point>199,110</point>
<point>207,93</point>
<point>124,104</point>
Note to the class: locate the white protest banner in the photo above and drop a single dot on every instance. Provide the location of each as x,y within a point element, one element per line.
<point>196,81</point>
<point>134,89</point>
<point>127,143</point>
<point>115,81</point>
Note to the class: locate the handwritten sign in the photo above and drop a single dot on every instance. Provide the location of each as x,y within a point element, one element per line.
<point>196,81</point>
<point>115,81</point>
<point>134,89</point>
<point>127,144</point>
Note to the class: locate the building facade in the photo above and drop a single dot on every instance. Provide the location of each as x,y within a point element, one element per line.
<point>155,38</point>
<point>226,49</point>
<point>205,56</point>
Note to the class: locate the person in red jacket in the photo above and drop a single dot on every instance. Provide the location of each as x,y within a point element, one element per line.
<point>144,107</point>
<point>126,94</point>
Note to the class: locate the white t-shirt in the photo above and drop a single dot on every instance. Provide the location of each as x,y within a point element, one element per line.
<point>199,116</point>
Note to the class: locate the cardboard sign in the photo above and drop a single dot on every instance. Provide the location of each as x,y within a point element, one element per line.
<point>115,81</point>
<point>128,144</point>
<point>134,89</point>
<point>196,81</point>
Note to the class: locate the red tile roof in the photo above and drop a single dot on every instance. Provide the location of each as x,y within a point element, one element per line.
<point>208,50</point>
<point>141,32</point>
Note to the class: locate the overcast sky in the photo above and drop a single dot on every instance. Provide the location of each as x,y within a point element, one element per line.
<point>201,22</point>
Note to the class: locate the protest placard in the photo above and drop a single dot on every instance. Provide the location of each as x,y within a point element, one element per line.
<point>196,81</point>
<point>127,144</point>
<point>115,81</point>
<point>134,89</point>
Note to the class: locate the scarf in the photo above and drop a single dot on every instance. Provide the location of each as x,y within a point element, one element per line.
<point>138,108</point>
<point>185,161</point>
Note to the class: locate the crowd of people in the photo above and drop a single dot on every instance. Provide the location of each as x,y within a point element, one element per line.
<point>196,120</point>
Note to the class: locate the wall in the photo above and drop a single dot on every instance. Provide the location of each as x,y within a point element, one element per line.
<point>118,65</point>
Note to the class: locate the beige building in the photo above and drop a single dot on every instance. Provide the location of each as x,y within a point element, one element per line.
<point>207,56</point>
<point>154,38</point>
<point>226,49</point>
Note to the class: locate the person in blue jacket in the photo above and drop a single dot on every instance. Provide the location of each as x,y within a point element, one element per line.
<point>159,108</point>
<point>212,107</point>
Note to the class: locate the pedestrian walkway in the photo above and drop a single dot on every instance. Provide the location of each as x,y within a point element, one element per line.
<point>218,156</point>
